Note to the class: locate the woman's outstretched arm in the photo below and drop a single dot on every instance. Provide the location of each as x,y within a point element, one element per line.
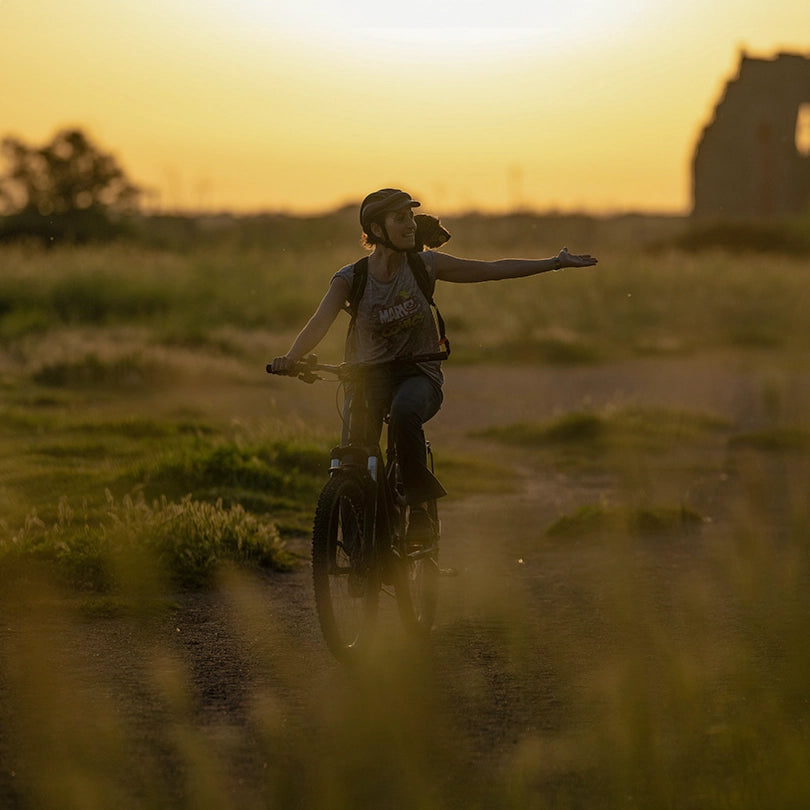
<point>466,271</point>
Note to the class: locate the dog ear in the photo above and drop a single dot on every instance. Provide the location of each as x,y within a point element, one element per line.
<point>429,232</point>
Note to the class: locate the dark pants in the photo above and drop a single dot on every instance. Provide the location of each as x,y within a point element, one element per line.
<point>411,399</point>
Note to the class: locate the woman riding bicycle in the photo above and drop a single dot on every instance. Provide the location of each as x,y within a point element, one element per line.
<point>394,320</point>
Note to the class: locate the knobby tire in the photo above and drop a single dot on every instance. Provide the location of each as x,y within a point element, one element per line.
<point>346,586</point>
<point>417,582</point>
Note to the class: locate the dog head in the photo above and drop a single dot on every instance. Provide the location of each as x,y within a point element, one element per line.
<point>430,233</point>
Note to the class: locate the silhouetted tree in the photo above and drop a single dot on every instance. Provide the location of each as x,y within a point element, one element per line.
<point>68,174</point>
<point>68,187</point>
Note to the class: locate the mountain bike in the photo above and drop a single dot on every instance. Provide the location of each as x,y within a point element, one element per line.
<point>359,535</point>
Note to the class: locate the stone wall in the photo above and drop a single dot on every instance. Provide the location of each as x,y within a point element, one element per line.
<point>747,163</point>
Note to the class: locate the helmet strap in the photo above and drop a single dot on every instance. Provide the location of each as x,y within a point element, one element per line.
<point>386,240</point>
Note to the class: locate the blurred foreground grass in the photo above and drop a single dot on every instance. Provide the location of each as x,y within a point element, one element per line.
<point>657,671</point>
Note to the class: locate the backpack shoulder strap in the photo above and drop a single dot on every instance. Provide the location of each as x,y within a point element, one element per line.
<point>427,286</point>
<point>359,279</point>
<point>420,273</point>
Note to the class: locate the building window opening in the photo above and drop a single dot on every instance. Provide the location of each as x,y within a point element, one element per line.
<point>803,130</point>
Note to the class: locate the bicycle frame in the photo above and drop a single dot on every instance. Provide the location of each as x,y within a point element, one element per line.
<point>350,459</point>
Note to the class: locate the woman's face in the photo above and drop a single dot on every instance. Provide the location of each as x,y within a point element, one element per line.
<point>401,228</point>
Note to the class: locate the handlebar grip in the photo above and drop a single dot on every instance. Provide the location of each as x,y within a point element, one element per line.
<point>301,370</point>
<point>302,366</point>
<point>290,373</point>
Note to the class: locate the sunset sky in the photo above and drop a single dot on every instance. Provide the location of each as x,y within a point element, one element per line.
<point>303,105</point>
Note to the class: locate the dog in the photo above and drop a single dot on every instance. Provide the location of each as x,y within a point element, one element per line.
<point>430,233</point>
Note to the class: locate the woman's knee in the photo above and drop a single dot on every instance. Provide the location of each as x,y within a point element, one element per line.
<point>405,409</point>
<point>417,400</point>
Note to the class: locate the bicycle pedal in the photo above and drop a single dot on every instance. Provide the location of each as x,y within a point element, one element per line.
<point>416,552</point>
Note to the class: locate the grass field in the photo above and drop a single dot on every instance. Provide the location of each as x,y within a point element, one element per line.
<point>126,478</point>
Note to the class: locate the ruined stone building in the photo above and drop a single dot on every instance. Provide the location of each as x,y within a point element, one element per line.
<point>752,159</point>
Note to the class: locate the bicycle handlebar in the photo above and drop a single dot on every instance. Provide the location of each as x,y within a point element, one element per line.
<point>306,369</point>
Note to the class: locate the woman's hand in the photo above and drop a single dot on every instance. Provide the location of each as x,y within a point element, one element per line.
<point>283,364</point>
<point>567,259</point>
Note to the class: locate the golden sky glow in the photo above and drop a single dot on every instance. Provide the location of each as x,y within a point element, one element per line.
<point>302,105</point>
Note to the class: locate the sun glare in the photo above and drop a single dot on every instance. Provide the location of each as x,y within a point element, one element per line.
<point>575,18</point>
<point>440,31</point>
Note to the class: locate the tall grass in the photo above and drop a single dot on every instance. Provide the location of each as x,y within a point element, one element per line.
<point>167,291</point>
<point>634,305</point>
<point>649,649</point>
<point>634,302</point>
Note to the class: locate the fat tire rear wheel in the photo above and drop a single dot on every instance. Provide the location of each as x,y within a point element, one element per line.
<point>346,587</point>
<point>417,582</point>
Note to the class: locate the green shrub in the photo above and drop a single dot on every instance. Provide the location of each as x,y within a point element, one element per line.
<point>575,427</point>
<point>644,521</point>
<point>188,541</point>
<point>774,440</point>
<point>228,471</point>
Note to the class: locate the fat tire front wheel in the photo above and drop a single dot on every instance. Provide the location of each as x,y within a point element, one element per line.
<point>346,583</point>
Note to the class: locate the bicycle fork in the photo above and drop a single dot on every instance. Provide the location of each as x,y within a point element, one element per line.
<point>364,464</point>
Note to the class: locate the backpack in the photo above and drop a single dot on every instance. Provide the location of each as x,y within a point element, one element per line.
<point>420,273</point>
